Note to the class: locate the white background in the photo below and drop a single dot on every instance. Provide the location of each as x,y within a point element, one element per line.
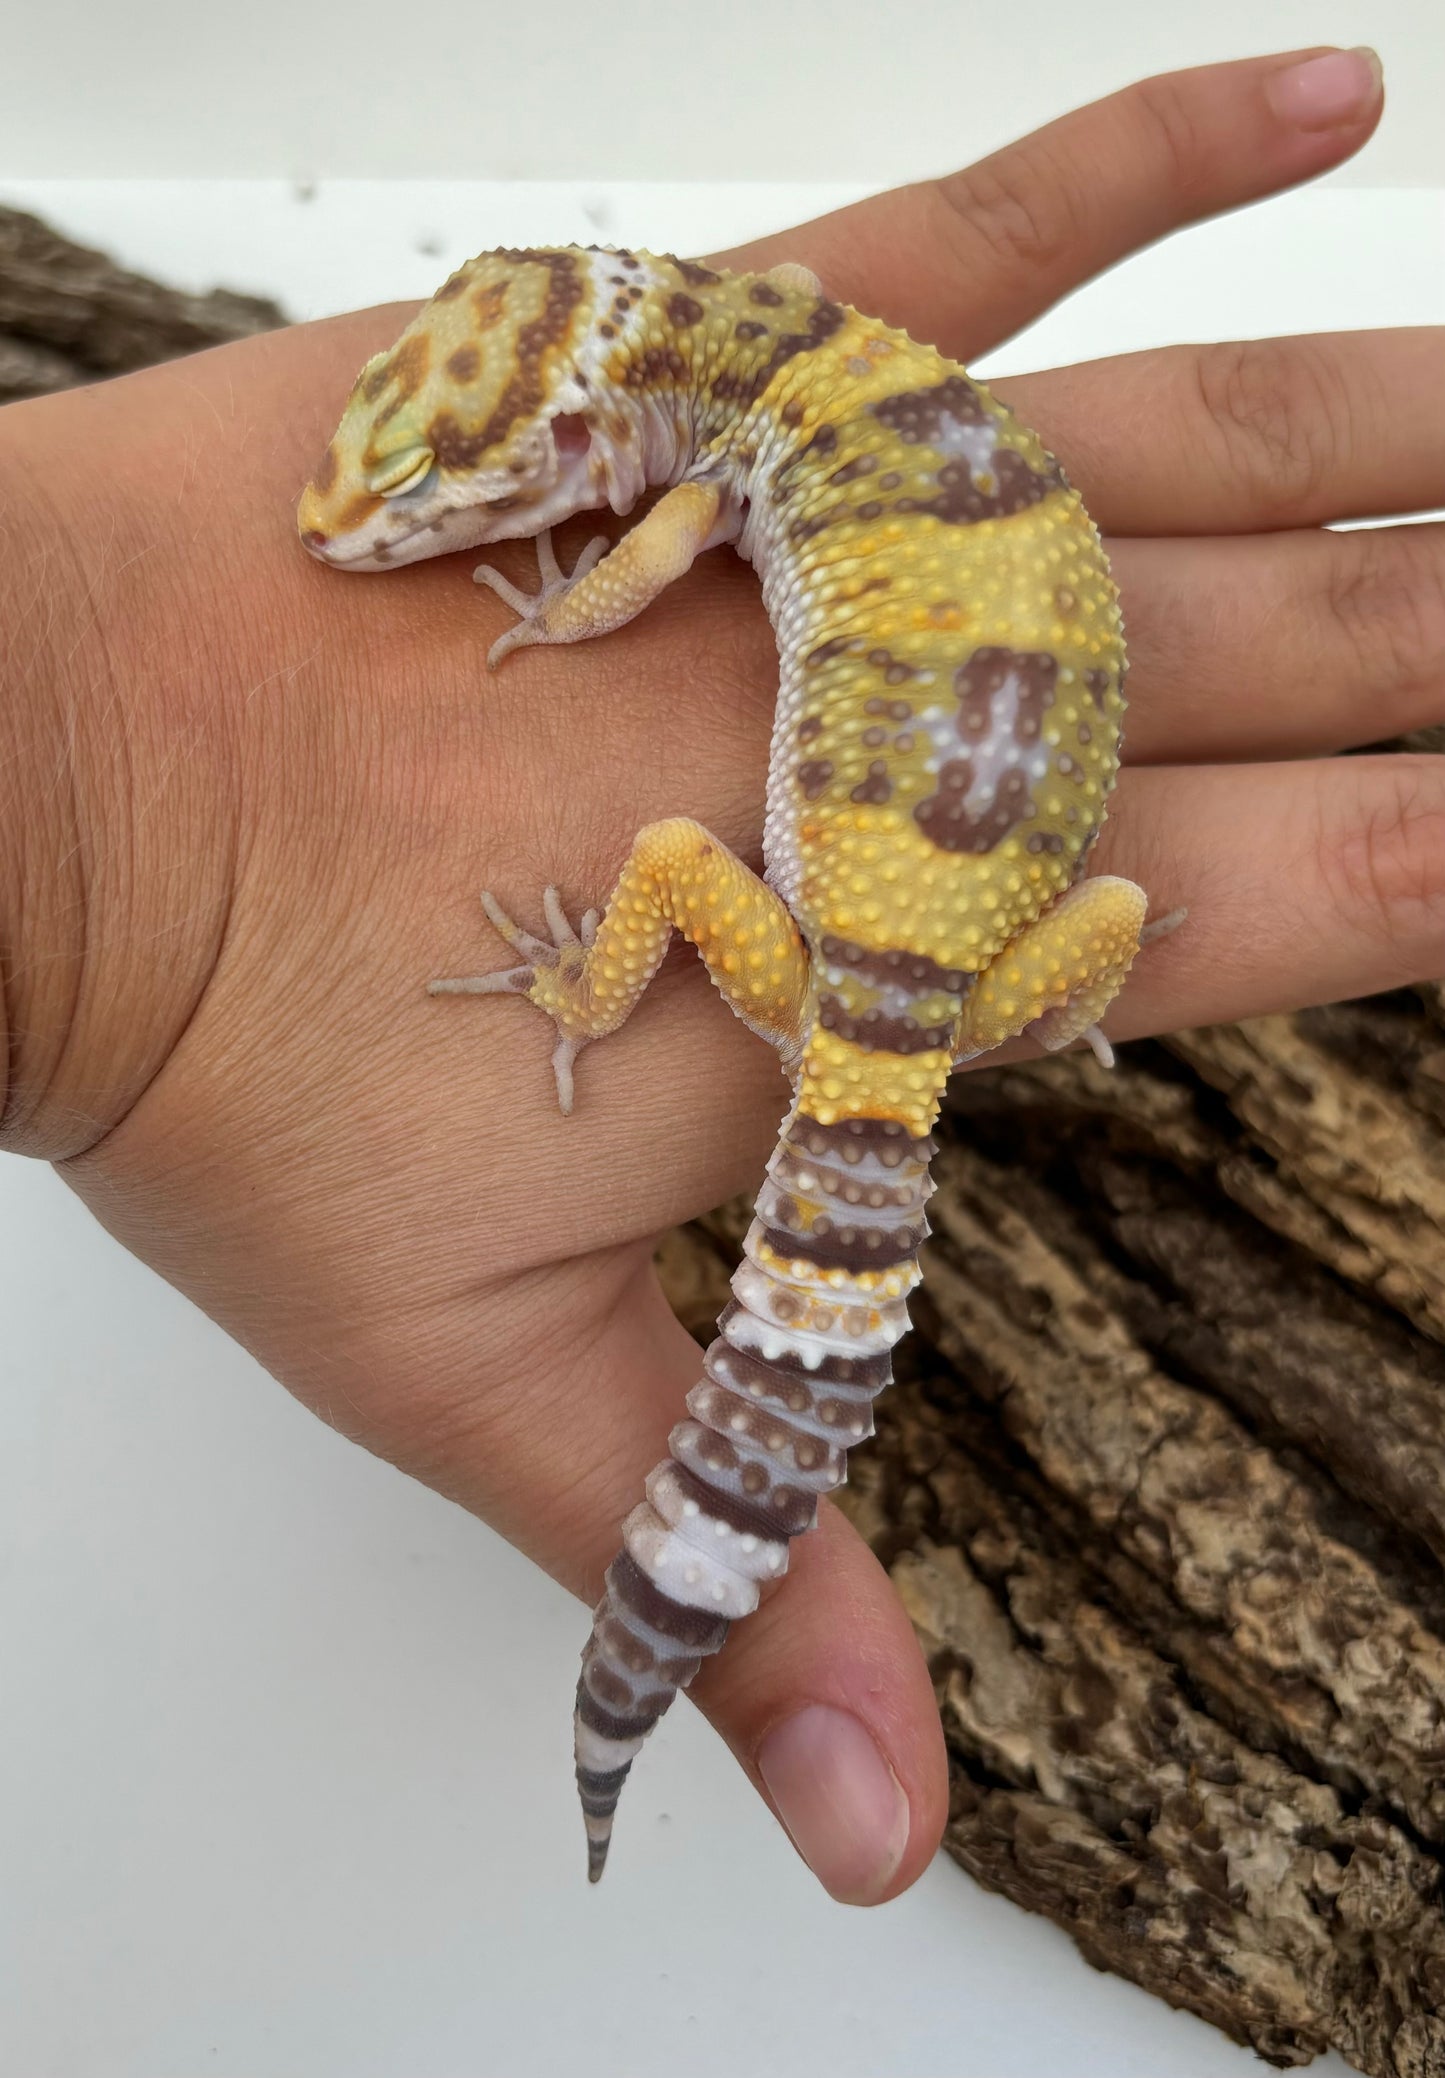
<point>284,1739</point>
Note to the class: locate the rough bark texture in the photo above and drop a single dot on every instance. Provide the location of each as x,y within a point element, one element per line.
<point>1162,1483</point>
<point>69,315</point>
<point>1162,1486</point>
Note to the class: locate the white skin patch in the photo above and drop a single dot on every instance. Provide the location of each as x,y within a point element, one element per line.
<point>977,444</point>
<point>992,752</point>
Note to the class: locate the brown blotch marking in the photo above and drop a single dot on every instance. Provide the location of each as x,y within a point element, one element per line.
<point>456,449</point>
<point>695,275</point>
<point>684,310</point>
<point>989,670</point>
<point>890,480</point>
<point>763,292</point>
<point>652,365</point>
<point>944,815</point>
<point>892,967</point>
<point>876,1032</point>
<point>919,417</point>
<point>895,672</point>
<point>693,1628</point>
<point>755,1381</point>
<point>851,1248</point>
<point>810,727</point>
<point>608,331</point>
<point>746,388</point>
<point>850,1139</point>
<point>612,1726</point>
<point>465,364</point>
<point>453,286</point>
<point>813,776</point>
<point>404,371</point>
<point>876,787</point>
<point>326,470</point>
<point>835,646</point>
<point>817,522</point>
<point>750,328</point>
<point>786,1512</point>
<point>861,465</point>
<point>490,303</point>
<point>1097,684</point>
<point>960,502</point>
<point>1045,840</point>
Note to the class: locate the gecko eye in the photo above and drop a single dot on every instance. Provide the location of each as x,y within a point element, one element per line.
<point>401,473</point>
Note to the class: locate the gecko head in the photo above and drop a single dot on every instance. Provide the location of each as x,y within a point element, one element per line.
<point>481,424</point>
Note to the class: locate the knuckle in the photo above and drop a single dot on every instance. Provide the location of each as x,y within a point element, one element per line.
<point>1025,209</point>
<point>1386,598</point>
<point>1168,114</point>
<point>1277,413</point>
<point>1385,869</point>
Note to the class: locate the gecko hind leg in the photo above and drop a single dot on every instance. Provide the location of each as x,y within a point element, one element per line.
<point>1059,975</point>
<point>677,877</point>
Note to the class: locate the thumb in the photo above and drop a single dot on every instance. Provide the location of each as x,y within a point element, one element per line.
<point>824,1697</point>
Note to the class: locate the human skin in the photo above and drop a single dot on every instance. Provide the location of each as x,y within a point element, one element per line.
<point>248,803</point>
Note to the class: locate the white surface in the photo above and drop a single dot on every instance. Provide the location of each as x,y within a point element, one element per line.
<point>637,89</point>
<point>260,1812</point>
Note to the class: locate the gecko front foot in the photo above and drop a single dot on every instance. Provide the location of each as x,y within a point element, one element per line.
<point>551,977</point>
<point>532,607</point>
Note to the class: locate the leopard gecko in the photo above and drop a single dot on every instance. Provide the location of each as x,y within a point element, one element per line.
<point>945,739</point>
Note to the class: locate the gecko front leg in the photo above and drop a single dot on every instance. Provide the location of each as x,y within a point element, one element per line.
<point>605,591</point>
<point>677,876</point>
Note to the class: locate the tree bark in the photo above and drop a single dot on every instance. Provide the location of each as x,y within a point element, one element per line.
<point>69,315</point>
<point>1162,1482</point>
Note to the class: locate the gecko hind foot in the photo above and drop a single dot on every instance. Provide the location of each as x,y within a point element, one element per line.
<point>531,606</point>
<point>558,963</point>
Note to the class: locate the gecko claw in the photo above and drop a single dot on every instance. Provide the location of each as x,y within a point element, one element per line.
<point>539,979</point>
<point>510,981</point>
<point>531,607</point>
<point>563,1055</point>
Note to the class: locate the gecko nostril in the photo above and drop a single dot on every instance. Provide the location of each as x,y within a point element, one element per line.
<point>316,541</point>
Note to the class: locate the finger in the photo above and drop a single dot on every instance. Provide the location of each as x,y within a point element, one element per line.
<point>826,1699</point>
<point>1253,434</point>
<point>965,261</point>
<point>822,1694</point>
<point>1284,645</point>
<point>1305,883</point>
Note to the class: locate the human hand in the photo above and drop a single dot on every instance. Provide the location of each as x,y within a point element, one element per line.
<point>254,802</point>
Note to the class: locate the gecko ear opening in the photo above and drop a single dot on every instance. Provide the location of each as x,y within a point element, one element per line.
<point>572,435</point>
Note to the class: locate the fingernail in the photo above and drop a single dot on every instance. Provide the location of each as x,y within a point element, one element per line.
<point>1327,92</point>
<point>839,1799</point>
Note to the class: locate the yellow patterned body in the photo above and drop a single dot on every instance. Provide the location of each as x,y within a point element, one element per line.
<point>945,739</point>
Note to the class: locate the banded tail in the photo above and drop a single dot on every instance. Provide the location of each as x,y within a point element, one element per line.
<point>788,1385</point>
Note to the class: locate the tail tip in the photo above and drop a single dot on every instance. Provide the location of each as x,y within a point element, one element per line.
<point>597,1857</point>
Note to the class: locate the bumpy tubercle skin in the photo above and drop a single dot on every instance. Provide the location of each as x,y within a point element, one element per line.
<point>946,736</point>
